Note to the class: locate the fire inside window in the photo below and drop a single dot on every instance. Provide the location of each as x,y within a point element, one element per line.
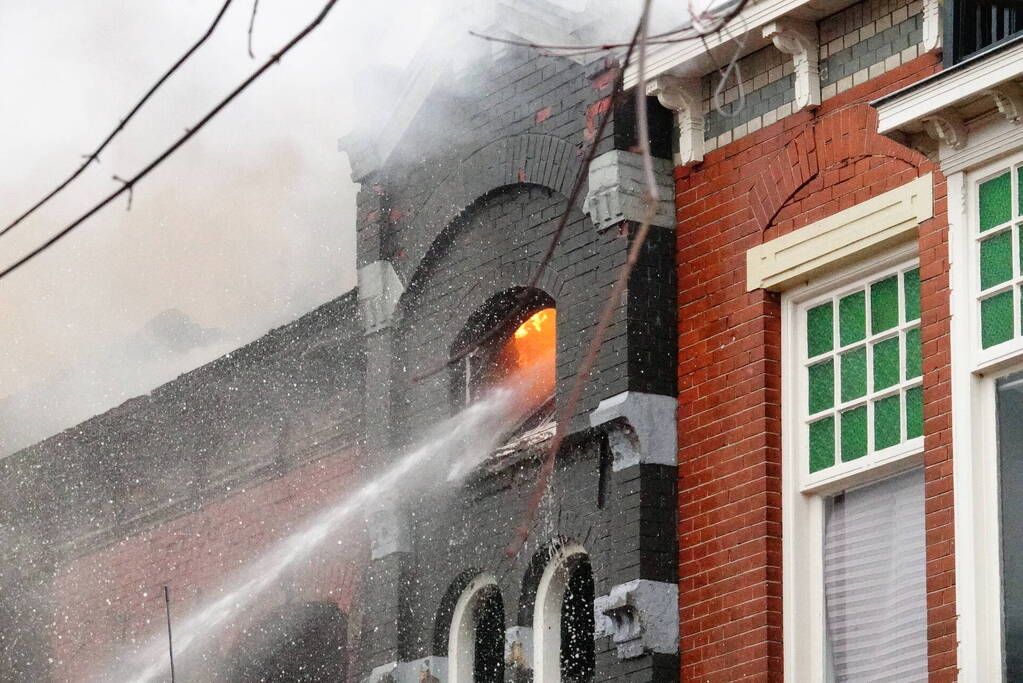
<point>523,358</point>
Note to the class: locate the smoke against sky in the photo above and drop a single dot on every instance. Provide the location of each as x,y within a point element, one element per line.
<point>249,226</point>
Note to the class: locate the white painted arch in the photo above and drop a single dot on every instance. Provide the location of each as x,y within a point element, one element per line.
<point>462,632</point>
<point>550,595</point>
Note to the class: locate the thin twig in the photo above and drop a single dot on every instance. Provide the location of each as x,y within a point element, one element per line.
<point>170,637</point>
<point>580,181</point>
<point>567,410</point>
<point>130,182</point>
<point>252,25</point>
<point>89,158</point>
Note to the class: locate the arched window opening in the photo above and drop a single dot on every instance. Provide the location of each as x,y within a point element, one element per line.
<point>563,619</point>
<point>518,353</point>
<point>305,643</point>
<point>476,636</point>
<point>577,626</point>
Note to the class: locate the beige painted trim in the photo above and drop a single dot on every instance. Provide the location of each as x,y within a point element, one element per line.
<point>842,238</point>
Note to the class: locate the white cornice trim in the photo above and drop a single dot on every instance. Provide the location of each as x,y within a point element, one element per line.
<point>682,96</point>
<point>799,39</point>
<point>841,238</point>
<point>689,58</point>
<point>947,90</point>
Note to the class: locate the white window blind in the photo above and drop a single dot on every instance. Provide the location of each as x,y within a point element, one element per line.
<point>874,581</point>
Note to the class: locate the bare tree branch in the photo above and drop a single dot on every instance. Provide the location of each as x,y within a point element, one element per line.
<point>252,25</point>
<point>89,158</point>
<point>130,182</point>
<point>582,375</point>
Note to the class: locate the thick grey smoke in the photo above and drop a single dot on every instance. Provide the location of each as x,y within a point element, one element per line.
<point>249,226</point>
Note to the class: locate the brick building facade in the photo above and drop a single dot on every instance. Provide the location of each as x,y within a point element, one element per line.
<point>843,457</point>
<point>796,458</point>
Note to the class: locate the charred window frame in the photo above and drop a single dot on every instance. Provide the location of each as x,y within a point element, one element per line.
<point>974,26</point>
<point>492,328</point>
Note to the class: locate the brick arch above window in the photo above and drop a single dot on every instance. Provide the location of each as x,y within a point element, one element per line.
<point>529,159</point>
<point>834,141</point>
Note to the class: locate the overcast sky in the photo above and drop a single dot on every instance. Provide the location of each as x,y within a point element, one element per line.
<point>249,226</point>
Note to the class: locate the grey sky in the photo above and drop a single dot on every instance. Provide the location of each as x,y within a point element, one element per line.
<point>249,226</point>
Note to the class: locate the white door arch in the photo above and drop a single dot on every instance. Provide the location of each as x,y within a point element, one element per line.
<point>462,632</point>
<point>547,612</point>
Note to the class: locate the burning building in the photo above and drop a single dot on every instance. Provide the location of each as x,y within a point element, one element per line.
<point>461,188</point>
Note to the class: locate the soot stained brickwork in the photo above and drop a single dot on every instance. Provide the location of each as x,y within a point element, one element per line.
<point>464,212</point>
<point>101,515</point>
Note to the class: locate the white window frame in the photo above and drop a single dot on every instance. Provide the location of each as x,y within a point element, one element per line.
<point>975,372</point>
<point>550,596</point>
<point>804,627</point>
<point>462,631</point>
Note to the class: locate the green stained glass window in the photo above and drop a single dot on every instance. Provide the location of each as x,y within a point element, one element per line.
<point>884,305</point>
<point>995,202</point>
<point>914,366</point>
<point>854,433</point>
<point>854,374</point>
<point>911,293</point>
<point>996,260</point>
<point>819,330</point>
<point>822,386</point>
<point>822,444</point>
<point>852,318</point>
<point>855,368</point>
<point>886,363</point>
<point>887,422</point>
<point>914,412</point>
<point>996,324</point>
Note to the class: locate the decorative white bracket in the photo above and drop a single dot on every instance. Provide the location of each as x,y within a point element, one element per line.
<point>1008,98</point>
<point>799,39</point>
<point>682,96</point>
<point>932,25</point>
<point>946,127</point>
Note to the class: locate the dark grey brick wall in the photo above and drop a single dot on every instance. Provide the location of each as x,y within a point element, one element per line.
<point>465,210</point>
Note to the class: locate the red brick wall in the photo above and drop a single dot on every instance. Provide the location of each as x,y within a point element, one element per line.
<point>783,177</point>
<point>114,595</point>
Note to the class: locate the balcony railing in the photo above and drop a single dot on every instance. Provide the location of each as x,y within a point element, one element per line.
<point>973,26</point>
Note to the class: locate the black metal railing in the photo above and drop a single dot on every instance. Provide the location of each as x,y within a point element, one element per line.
<point>972,26</point>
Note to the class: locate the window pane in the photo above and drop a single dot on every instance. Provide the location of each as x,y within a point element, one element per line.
<point>914,412</point>
<point>914,367</point>
<point>996,260</point>
<point>996,319</point>
<point>875,581</point>
<point>822,444</point>
<point>822,386</point>
<point>854,433</point>
<point>854,374</point>
<point>852,318</point>
<point>1010,475</point>
<point>995,202</point>
<point>884,305</point>
<point>887,422</point>
<point>911,291</point>
<point>819,330</point>
<point>886,363</point>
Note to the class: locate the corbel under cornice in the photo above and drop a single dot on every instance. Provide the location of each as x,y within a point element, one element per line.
<point>799,39</point>
<point>682,96</point>
<point>947,128</point>
<point>1008,98</point>
<point>931,25</point>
